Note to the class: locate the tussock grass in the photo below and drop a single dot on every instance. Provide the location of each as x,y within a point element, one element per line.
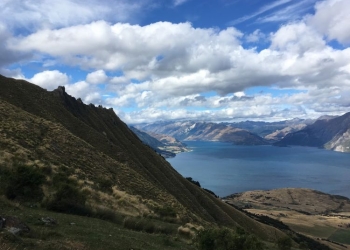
<point>149,226</point>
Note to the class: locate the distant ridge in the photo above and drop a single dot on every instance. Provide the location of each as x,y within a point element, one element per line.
<point>204,131</point>
<point>330,133</point>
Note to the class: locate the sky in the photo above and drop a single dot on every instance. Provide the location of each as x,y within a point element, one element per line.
<point>152,60</point>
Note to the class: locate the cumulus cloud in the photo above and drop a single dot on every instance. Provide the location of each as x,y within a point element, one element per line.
<point>8,55</point>
<point>50,80</point>
<point>332,18</point>
<point>87,92</point>
<point>163,69</point>
<point>97,77</point>
<point>255,36</point>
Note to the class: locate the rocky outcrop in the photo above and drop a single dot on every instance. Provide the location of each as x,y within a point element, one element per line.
<point>340,143</point>
<point>13,225</point>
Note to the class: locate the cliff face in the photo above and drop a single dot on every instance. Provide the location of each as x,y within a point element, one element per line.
<point>57,131</point>
<point>325,133</point>
<point>204,131</point>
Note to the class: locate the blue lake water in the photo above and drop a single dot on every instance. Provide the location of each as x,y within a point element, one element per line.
<point>226,169</point>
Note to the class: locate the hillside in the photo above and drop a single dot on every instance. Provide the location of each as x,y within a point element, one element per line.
<point>281,133</point>
<point>331,134</point>
<point>203,131</point>
<point>166,146</point>
<point>88,153</point>
<point>154,143</point>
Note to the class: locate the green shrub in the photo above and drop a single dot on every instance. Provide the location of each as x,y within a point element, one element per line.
<point>24,183</point>
<point>108,215</point>
<point>284,243</point>
<point>146,225</point>
<point>190,179</point>
<point>105,185</point>
<point>165,211</point>
<point>69,199</point>
<point>225,239</point>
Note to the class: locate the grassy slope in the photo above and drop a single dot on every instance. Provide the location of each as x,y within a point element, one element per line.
<point>80,233</point>
<point>94,140</point>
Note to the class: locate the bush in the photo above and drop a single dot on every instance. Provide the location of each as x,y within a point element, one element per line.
<point>146,225</point>
<point>190,179</point>
<point>225,239</point>
<point>108,215</point>
<point>69,199</point>
<point>165,211</point>
<point>24,183</point>
<point>284,243</point>
<point>105,185</point>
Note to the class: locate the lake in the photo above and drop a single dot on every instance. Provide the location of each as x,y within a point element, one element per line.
<point>226,169</point>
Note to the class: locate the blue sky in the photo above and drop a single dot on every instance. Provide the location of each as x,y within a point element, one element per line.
<point>225,60</point>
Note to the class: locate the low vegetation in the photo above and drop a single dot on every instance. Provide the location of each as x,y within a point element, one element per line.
<point>225,239</point>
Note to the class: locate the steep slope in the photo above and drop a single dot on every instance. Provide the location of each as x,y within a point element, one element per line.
<point>164,145</point>
<point>325,133</point>
<point>56,131</point>
<point>152,142</point>
<point>202,131</point>
<point>281,133</point>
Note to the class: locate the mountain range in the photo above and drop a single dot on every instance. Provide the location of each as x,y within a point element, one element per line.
<point>328,132</point>
<point>203,131</point>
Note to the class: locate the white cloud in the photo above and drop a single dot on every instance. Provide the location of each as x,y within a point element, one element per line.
<point>97,77</point>
<point>87,92</point>
<point>332,18</point>
<point>38,14</point>
<point>163,69</point>
<point>138,51</point>
<point>262,10</point>
<point>179,2</point>
<point>255,37</point>
<point>50,80</point>
<point>8,55</point>
<point>290,13</point>
<point>297,38</point>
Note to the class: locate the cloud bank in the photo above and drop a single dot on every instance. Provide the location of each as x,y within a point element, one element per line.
<point>177,71</point>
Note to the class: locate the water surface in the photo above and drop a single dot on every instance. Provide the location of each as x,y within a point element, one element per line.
<point>225,168</point>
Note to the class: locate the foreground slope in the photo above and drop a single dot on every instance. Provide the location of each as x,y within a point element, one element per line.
<point>54,130</point>
<point>331,134</point>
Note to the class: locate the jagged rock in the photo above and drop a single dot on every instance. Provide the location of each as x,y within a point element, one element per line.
<point>49,221</point>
